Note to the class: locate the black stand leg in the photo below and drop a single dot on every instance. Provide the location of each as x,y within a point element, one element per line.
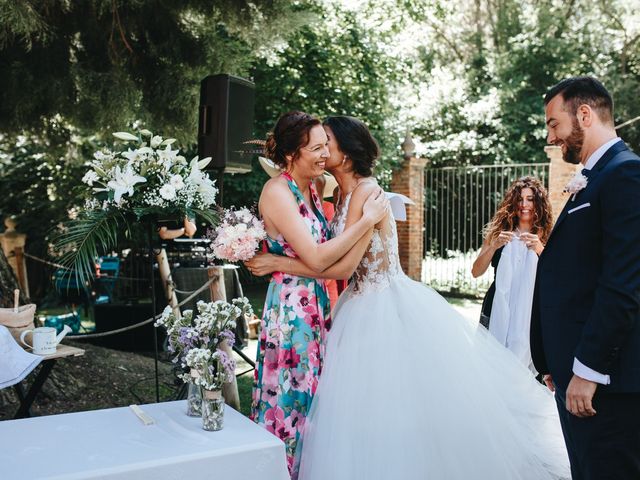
<point>27,400</point>
<point>153,309</point>
<point>244,357</point>
<point>182,392</point>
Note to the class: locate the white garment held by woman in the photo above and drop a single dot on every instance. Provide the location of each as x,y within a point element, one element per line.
<point>511,310</point>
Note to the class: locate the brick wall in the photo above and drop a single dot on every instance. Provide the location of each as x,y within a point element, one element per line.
<point>560,172</point>
<point>409,180</point>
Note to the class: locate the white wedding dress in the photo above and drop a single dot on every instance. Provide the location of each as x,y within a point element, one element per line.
<point>411,390</point>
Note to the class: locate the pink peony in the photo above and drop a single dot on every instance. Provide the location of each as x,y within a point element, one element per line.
<point>238,237</point>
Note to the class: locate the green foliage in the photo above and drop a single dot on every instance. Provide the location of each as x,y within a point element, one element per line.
<point>40,180</point>
<point>103,64</point>
<point>487,107</point>
<point>87,237</point>
<point>334,66</point>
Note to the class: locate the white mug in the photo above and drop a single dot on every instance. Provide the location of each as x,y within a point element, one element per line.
<point>44,340</point>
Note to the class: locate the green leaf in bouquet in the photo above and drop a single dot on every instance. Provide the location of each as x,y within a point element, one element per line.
<point>99,170</point>
<point>84,239</point>
<point>210,216</point>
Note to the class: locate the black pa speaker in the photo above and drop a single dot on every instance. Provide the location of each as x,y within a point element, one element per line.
<point>226,122</point>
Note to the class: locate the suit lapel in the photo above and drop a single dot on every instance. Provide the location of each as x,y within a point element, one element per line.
<point>599,166</point>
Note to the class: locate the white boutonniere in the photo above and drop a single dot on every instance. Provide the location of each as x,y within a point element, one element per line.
<point>577,183</point>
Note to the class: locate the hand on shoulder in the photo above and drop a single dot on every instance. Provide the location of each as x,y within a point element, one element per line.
<point>370,199</point>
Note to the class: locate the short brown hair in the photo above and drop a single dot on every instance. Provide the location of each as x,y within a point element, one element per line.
<point>289,135</point>
<point>584,90</point>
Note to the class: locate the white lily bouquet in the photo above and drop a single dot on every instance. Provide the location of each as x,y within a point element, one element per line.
<point>144,179</point>
<point>238,236</point>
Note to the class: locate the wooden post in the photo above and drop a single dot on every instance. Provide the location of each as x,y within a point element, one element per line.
<point>218,292</point>
<point>560,172</point>
<point>409,180</point>
<point>165,275</point>
<point>13,248</point>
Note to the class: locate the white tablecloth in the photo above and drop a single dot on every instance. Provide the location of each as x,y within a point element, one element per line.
<point>115,444</point>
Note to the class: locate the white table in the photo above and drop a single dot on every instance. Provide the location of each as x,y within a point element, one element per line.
<point>114,444</point>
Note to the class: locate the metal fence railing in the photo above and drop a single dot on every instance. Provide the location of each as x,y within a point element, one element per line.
<point>459,202</point>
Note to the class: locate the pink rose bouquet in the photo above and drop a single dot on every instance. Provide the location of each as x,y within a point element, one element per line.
<point>238,236</point>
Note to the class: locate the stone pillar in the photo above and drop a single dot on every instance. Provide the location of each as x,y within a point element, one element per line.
<point>13,247</point>
<point>560,172</point>
<point>409,180</point>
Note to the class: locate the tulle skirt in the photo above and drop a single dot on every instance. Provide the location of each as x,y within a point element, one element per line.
<point>410,389</point>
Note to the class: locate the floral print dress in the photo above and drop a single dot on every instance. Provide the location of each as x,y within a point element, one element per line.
<point>295,322</point>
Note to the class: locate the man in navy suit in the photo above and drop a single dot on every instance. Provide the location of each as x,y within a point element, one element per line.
<point>585,326</point>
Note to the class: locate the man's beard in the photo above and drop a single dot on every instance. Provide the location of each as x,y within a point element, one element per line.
<point>573,143</point>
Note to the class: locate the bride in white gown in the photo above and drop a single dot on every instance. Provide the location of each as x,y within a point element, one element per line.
<point>410,389</point>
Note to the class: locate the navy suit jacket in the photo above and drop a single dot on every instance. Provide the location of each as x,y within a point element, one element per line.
<point>587,297</point>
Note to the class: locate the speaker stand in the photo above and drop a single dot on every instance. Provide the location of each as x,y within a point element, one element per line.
<point>153,309</point>
<point>220,184</point>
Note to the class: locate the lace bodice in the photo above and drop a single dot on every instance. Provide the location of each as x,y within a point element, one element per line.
<point>380,262</point>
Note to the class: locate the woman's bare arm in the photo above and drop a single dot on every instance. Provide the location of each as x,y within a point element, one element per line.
<point>280,211</point>
<point>265,264</point>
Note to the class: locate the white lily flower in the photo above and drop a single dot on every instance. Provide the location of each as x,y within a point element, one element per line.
<point>176,182</point>
<point>156,141</point>
<point>125,136</point>
<point>204,162</point>
<point>124,182</point>
<point>167,156</point>
<point>146,132</point>
<point>137,155</point>
<point>195,175</point>
<point>168,141</point>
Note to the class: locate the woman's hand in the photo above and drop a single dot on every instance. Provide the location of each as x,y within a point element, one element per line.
<point>166,234</point>
<point>262,264</point>
<point>189,230</point>
<point>501,240</point>
<point>375,208</point>
<point>532,242</point>
<point>190,227</point>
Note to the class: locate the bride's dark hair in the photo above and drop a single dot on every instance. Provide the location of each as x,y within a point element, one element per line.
<point>290,133</point>
<point>506,217</point>
<point>356,142</point>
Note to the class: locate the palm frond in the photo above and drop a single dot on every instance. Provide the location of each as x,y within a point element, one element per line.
<point>82,238</point>
<point>211,216</point>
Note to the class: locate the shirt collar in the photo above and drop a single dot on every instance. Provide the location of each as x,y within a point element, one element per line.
<point>597,155</point>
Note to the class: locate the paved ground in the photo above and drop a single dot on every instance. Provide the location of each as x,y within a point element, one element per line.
<point>469,308</point>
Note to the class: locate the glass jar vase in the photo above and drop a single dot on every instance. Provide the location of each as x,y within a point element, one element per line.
<point>194,396</point>
<point>212,410</point>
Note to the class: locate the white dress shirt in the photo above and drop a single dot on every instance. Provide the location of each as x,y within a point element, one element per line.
<point>579,368</point>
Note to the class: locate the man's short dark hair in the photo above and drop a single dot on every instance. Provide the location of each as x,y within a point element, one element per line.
<point>585,90</point>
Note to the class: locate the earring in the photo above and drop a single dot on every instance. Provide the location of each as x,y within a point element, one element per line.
<point>344,159</point>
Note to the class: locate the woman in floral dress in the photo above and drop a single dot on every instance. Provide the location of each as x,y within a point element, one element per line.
<point>296,315</point>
